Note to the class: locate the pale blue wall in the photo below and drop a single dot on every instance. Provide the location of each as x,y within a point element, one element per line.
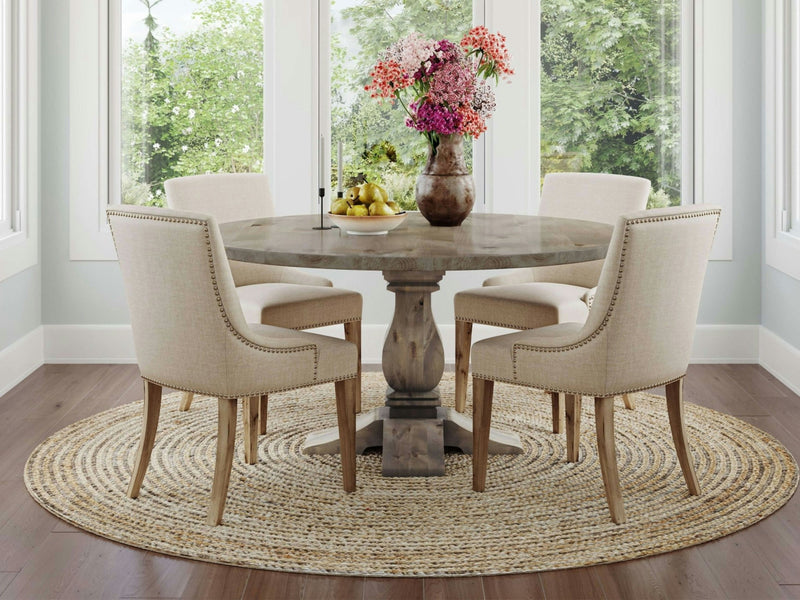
<point>20,305</point>
<point>91,292</point>
<point>780,302</point>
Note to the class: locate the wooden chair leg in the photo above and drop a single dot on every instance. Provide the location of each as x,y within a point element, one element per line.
<point>628,401</point>
<point>463,341</point>
<point>263,409</point>
<point>482,394</point>
<point>250,423</point>
<point>676,424</point>
<point>352,333</point>
<point>607,451</point>
<point>152,408</point>
<point>557,400</point>
<point>572,410</point>
<point>346,416</point>
<point>226,436</point>
<point>186,401</point>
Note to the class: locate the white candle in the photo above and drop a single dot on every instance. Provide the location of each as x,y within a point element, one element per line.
<point>322,162</point>
<point>340,186</point>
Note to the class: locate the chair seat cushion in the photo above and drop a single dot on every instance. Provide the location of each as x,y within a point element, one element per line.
<point>522,306</point>
<point>335,359</point>
<point>298,306</point>
<point>493,358</point>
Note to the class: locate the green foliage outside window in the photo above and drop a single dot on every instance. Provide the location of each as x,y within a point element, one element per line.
<point>610,85</point>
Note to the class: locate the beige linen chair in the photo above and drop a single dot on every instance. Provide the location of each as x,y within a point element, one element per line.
<point>638,336</point>
<point>190,334</point>
<point>540,296</point>
<point>291,298</point>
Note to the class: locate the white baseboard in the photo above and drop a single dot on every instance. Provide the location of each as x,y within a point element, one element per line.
<point>725,344</point>
<point>114,343</point>
<point>88,344</point>
<point>20,359</point>
<point>780,358</point>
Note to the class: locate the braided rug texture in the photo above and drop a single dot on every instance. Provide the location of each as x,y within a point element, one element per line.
<point>290,513</point>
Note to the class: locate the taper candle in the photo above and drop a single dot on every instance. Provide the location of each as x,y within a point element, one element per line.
<point>339,175</point>
<point>322,185</point>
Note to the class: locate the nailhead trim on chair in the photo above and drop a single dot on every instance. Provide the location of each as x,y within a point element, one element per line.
<point>325,324</point>
<point>220,304</point>
<point>256,393</point>
<point>608,314</point>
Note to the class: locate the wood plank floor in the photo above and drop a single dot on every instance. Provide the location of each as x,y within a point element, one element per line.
<point>42,557</point>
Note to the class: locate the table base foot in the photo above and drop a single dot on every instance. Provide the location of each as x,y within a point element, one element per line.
<point>412,447</point>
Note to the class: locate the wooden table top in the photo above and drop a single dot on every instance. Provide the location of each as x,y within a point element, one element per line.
<point>483,241</point>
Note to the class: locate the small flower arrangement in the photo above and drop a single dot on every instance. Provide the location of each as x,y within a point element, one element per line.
<point>447,81</point>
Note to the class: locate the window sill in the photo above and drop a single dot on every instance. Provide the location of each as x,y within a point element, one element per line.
<point>783,253</point>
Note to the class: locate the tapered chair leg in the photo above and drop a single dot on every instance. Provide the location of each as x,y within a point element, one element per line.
<point>572,411</point>
<point>607,451</point>
<point>226,436</point>
<point>463,341</point>
<point>482,395</point>
<point>628,401</point>
<point>352,333</point>
<point>677,425</point>
<point>557,400</point>
<point>186,401</point>
<point>346,416</point>
<point>250,424</point>
<point>152,408</point>
<point>263,410</point>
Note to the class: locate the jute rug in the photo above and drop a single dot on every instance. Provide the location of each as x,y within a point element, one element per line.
<point>289,511</point>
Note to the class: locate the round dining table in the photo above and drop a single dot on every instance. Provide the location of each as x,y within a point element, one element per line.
<point>413,428</point>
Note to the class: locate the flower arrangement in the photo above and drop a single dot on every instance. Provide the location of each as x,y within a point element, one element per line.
<point>447,81</point>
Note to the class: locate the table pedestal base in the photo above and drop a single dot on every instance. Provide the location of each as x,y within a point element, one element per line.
<point>412,446</point>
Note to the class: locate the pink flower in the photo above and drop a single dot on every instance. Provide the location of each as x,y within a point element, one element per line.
<point>492,49</point>
<point>387,77</point>
<point>452,84</point>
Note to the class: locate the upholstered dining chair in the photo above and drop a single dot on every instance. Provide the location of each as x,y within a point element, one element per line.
<point>540,296</point>
<point>638,335</point>
<point>292,299</point>
<point>190,334</point>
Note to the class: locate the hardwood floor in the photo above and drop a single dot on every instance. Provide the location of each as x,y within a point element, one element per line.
<point>43,557</point>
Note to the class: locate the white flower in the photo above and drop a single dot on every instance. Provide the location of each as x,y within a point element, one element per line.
<point>218,141</point>
<point>158,192</point>
<point>240,73</point>
<point>188,93</point>
<point>176,110</point>
<point>191,113</point>
<point>231,77</point>
<point>156,146</point>
<point>166,100</point>
<point>205,145</point>
<point>184,148</point>
<point>235,108</point>
<point>246,148</point>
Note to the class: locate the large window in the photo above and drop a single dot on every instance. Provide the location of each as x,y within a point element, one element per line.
<point>611,85</point>
<point>191,93</point>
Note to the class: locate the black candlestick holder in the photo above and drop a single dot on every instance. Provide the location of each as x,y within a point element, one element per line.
<point>321,209</point>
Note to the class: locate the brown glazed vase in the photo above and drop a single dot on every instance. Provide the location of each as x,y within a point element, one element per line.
<point>445,189</point>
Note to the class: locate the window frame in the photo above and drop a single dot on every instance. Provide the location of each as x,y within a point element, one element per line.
<point>19,246</point>
<point>781,137</point>
<point>292,93</point>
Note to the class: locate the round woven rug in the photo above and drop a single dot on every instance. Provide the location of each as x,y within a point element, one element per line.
<point>289,511</point>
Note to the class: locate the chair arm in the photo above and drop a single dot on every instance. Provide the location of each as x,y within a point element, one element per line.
<point>588,297</point>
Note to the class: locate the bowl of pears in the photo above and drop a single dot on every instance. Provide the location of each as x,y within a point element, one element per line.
<point>366,210</point>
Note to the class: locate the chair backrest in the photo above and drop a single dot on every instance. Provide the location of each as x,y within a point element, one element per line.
<point>590,197</point>
<point>226,196</point>
<point>181,295</point>
<point>597,197</point>
<point>649,293</point>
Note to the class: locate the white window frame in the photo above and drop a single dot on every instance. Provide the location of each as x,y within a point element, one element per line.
<point>19,238</point>
<point>292,96</point>
<point>781,137</point>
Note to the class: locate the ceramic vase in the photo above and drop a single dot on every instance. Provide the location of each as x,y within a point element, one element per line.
<point>446,190</point>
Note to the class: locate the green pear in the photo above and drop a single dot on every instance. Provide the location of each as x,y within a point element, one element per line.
<point>339,207</point>
<point>357,210</point>
<point>379,208</point>
<point>394,206</point>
